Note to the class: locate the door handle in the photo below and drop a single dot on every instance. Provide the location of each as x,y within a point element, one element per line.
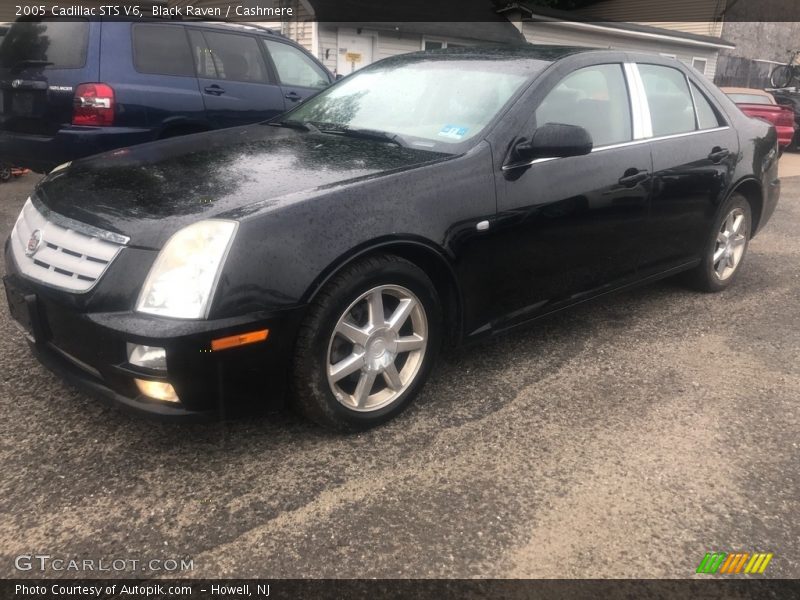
<point>293,96</point>
<point>633,177</point>
<point>718,154</point>
<point>214,90</point>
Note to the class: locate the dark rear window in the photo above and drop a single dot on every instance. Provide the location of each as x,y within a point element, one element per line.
<point>61,43</point>
<point>162,49</point>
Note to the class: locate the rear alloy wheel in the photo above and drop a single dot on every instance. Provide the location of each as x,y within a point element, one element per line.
<point>726,247</point>
<point>731,242</point>
<point>5,173</point>
<point>367,344</point>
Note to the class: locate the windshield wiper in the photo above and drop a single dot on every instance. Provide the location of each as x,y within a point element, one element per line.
<point>334,129</point>
<point>293,124</point>
<point>365,134</point>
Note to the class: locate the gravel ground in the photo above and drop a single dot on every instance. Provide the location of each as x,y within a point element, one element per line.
<point>624,439</point>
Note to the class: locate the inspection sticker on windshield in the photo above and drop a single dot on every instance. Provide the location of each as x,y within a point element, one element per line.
<point>454,132</point>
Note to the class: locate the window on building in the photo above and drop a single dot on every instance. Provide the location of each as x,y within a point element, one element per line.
<point>671,106</point>
<point>595,98</point>
<point>700,64</point>
<point>438,45</point>
<point>294,67</point>
<point>162,49</point>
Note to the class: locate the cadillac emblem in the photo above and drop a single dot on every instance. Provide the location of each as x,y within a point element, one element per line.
<point>33,243</point>
<point>16,83</point>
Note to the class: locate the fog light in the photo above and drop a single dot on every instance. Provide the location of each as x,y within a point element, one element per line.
<point>150,357</point>
<point>158,390</point>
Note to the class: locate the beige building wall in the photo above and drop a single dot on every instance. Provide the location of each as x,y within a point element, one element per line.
<point>563,35</point>
<point>691,16</point>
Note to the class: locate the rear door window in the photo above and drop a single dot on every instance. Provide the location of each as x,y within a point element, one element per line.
<point>53,44</point>
<point>669,99</point>
<point>706,115</point>
<point>595,98</point>
<point>294,67</point>
<point>231,57</point>
<point>162,50</point>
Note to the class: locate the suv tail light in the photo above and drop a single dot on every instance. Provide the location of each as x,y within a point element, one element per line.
<point>93,105</point>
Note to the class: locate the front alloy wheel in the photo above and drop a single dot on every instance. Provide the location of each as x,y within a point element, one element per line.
<point>377,348</point>
<point>367,344</point>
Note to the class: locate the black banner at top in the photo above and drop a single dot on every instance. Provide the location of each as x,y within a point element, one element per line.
<point>400,11</point>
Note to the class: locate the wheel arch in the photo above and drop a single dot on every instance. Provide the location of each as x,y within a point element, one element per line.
<point>422,253</point>
<point>752,190</point>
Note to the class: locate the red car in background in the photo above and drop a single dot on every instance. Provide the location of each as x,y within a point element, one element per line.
<point>761,104</point>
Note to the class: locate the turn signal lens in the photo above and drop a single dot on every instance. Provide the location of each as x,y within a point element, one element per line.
<point>239,340</point>
<point>158,390</point>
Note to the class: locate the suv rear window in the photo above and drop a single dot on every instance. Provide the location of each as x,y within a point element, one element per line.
<point>162,49</point>
<point>61,43</point>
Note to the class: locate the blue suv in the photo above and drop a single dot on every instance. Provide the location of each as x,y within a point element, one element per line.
<point>69,89</point>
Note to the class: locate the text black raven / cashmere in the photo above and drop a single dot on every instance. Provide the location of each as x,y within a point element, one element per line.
<point>427,198</point>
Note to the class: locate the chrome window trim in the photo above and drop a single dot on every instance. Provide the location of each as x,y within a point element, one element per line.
<point>638,142</point>
<point>642,121</point>
<point>643,125</point>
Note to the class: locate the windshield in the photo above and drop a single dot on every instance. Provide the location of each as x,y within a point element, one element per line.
<point>427,103</point>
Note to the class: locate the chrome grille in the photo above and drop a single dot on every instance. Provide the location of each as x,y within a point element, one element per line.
<point>65,257</point>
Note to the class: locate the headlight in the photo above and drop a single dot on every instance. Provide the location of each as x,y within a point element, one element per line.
<point>182,280</point>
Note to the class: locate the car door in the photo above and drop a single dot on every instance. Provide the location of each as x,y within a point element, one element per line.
<point>157,86</point>
<point>694,154</point>
<point>236,85</point>
<point>299,75</point>
<point>570,227</point>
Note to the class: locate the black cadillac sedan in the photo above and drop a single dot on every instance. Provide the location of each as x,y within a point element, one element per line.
<point>428,199</point>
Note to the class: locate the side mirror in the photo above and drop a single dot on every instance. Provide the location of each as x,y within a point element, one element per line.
<point>555,140</point>
<point>338,77</point>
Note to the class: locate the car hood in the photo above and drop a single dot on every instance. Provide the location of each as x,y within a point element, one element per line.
<point>148,192</point>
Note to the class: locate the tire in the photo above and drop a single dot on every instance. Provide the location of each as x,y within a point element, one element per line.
<point>365,391</point>
<point>727,243</point>
<point>5,173</point>
<point>781,76</point>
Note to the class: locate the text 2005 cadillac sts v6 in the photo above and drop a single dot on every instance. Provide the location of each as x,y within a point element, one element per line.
<point>427,198</point>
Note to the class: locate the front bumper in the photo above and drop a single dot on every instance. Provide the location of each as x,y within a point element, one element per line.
<point>90,351</point>
<point>41,153</point>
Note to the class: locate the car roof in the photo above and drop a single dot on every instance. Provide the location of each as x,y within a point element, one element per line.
<point>244,27</point>
<point>543,52</point>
